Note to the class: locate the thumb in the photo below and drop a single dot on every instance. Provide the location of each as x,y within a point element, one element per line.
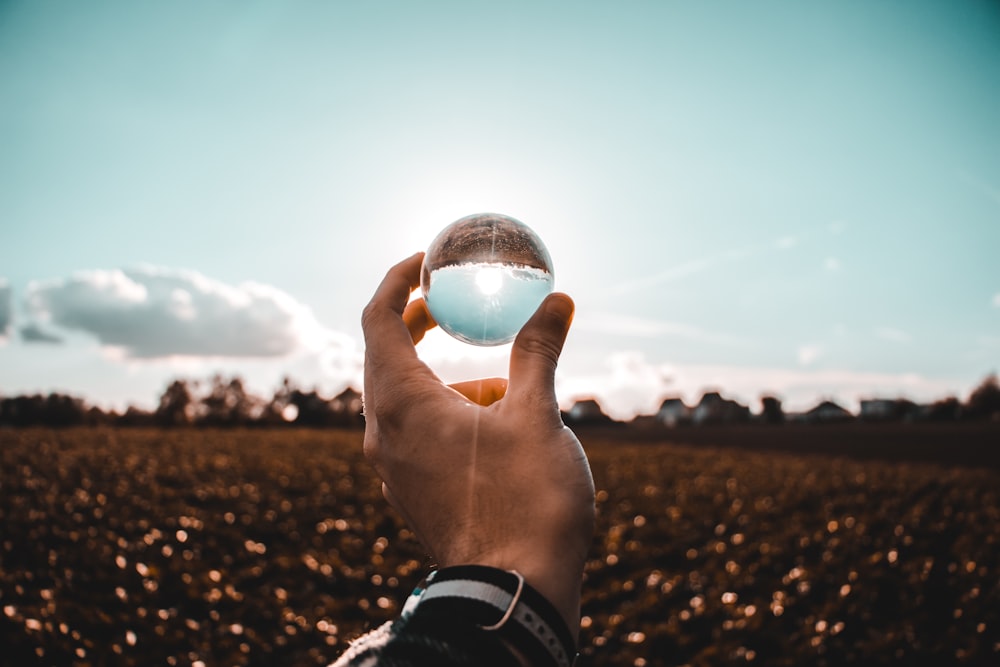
<point>536,349</point>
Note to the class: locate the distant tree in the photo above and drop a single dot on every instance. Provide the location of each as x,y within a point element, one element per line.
<point>177,405</point>
<point>56,410</point>
<point>984,401</point>
<point>771,411</point>
<point>311,409</point>
<point>280,409</point>
<point>23,410</point>
<point>347,407</point>
<point>97,417</point>
<point>229,404</point>
<point>62,410</point>
<point>946,410</point>
<point>136,417</point>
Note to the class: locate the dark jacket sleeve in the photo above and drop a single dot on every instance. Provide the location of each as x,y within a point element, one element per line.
<point>426,637</point>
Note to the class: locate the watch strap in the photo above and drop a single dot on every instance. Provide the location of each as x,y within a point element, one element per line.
<point>499,601</point>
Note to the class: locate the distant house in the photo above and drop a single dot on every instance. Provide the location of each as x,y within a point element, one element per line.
<point>827,412</point>
<point>891,409</point>
<point>714,409</point>
<point>672,412</point>
<point>586,412</point>
<point>877,409</point>
<point>347,403</point>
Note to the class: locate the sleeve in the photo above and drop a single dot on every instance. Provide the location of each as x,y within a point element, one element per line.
<point>468,615</point>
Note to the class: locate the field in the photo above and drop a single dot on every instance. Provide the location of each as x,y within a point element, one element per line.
<point>135,547</point>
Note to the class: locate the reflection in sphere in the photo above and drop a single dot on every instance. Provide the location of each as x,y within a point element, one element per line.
<point>484,276</point>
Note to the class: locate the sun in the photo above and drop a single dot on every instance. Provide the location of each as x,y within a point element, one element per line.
<point>489,280</point>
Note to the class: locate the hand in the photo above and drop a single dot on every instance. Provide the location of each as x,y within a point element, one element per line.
<point>484,472</point>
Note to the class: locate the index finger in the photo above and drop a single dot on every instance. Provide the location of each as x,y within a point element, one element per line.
<point>388,341</point>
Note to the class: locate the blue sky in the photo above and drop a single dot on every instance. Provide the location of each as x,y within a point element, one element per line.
<point>800,198</point>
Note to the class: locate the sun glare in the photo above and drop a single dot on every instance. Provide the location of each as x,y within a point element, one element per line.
<point>489,280</point>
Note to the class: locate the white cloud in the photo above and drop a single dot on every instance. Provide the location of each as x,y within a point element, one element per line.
<point>831,264</point>
<point>627,386</point>
<point>627,325</point>
<point>149,312</point>
<point>809,353</point>
<point>630,386</point>
<point>800,389</point>
<point>996,300</point>
<point>682,270</point>
<point>32,333</point>
<point>454,361</point>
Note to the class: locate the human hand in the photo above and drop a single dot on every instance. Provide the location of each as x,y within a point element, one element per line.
<point>484,472</point>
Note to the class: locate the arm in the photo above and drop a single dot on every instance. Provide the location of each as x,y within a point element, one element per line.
<point>485,472</point>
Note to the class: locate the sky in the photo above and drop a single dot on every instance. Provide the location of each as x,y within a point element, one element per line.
<point>800,199</point>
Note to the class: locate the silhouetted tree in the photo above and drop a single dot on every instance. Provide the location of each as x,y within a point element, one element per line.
<point>62,410</point>
<point>984,401</point>
<point>280,410</point>
<point>177,405</point>
<point>946,410</point>
<point>136,417</point>
<point>229,404</point>
<point>771,411</point>
<point>97,417</point>
<point>57,410</point>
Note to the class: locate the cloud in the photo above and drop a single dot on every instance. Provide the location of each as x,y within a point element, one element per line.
<point>831,264</point>
<point>631,386</point>
<point>627,325</point>
<point>453,361</point>
<point>996,300</point>
<point>627,386</point>
<point>32,333</point>
<point>150,312</point>
<point>710,262</point>
<point>682,270</point>
<point>5,311</point>
<point>809,353</point>
<point>801,389</point>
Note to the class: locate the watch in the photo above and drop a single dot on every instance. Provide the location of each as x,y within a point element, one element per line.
<point>499,601</point>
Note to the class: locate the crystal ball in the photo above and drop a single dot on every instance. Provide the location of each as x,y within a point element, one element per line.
<point>484,276</point>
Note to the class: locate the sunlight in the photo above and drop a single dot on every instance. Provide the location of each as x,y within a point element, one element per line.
<point>489,280</point>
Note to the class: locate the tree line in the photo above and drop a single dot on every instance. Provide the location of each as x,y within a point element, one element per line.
<point>219,402</point>
<point>225,402</point>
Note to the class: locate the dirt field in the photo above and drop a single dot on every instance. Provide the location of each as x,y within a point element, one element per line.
<point>270,548</point>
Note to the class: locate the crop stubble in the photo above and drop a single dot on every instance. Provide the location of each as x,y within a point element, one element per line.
<point>141,547</point>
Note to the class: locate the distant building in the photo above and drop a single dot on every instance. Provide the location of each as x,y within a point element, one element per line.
<point>586,412</point>
<point>347,403</point>
<point>827,412</point>
<point>877,409</point>
<point>891,409</point>
<point>672,412</point>
<point>713,409</point>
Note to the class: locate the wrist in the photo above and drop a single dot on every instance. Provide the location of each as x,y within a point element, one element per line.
<point>504,604</point>
<point>558,578</point>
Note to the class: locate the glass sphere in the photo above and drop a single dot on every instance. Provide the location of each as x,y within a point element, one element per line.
<point>484,276</point>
